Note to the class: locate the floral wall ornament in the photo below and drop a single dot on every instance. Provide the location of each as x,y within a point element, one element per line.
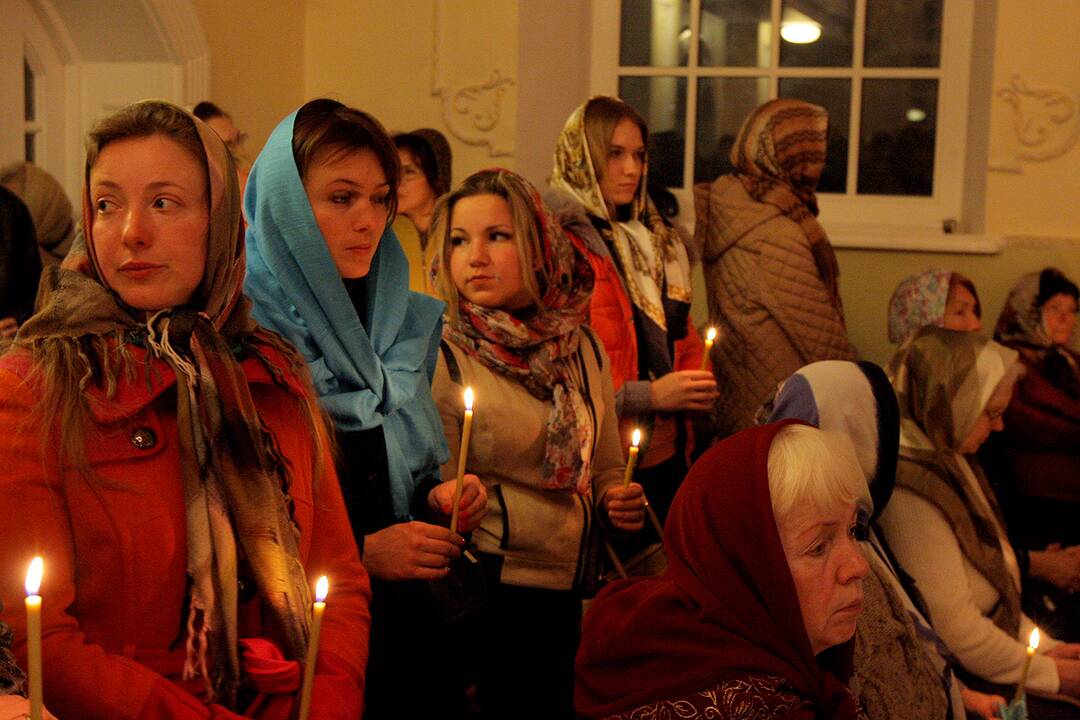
<point>1045,121</point>
<point>476,112</point>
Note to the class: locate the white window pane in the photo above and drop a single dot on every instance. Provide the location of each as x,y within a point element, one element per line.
<point>654,33</point>
<point>662,102</point>
<point>735,33</point>
<point>896,152</point>
<point>817,33</point>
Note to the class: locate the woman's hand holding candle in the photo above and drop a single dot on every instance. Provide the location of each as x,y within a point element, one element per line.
<point>471,508</point>
<point>625,507</point>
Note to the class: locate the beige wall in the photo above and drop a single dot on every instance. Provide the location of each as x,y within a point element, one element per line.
<point>257,61</point>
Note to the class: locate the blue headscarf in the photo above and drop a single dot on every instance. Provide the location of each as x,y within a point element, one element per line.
<point>369,371</point>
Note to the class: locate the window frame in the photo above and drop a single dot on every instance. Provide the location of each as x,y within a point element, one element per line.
<point>854,220</point>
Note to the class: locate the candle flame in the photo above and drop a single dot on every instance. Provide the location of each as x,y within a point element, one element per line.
<point>322,587</point>
<point>33,576</point>
<point>1033,642</point>
<point>711,334</point>
<point>635,439</point>
<point>468,398</point>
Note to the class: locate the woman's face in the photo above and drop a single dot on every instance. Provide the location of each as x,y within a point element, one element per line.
<point>827,566</point>
<point>990,420</point>
<point>1059,318</point>
<point>151,220</point>
<point>960,311</point>
<point>414,193</point>
<point>484,263</point>
<point>625,164</point>
<point>348,193</point>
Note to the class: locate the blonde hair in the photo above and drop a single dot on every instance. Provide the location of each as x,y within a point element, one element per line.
<point>519,197</point>
<point>815,468</point>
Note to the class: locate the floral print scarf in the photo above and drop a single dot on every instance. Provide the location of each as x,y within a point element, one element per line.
<point>918,300</point>
<point>537,349</point>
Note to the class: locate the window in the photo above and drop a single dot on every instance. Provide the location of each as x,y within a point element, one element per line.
<point>893,74</point>
<point>31,104</point>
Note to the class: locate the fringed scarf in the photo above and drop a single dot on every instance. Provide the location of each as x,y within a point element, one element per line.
<point>235,485</point>
<point>943,381</point>
<point>536,350</point>
<point>778,157</point>
<point>654,263</point>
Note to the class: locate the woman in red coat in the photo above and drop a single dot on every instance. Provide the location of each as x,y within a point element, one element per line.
<point>640,306</point>
<point>165,456</point>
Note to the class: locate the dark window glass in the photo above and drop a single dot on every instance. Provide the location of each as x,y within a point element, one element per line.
<point>722,105</point>
<point>896,152</point>
<point>735,33</point>
<point>662,102</point>
<point>654,34</point>
<point>903,33</point>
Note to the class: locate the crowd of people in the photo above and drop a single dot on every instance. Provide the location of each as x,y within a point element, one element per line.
<point>231,378</point>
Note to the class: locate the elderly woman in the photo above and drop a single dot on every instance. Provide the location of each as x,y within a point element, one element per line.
<point>944,523</point>
<point>770,273</point>
<point>934,297</point>
<point>755,616</point>
<point>165,455</point>
<point>1041,441</point>
<point>901,667</point>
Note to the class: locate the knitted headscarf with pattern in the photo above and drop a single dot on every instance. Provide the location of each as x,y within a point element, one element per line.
<point>536,348</point>
<point>235,484</point>
<point>778,157</point>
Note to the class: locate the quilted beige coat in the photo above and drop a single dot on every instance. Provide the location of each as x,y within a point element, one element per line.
<point>774,310</point>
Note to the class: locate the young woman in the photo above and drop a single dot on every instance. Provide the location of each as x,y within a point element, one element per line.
<point>165,456</point>
<point>325,271</point>
<point>544,437</point>
<point>944,522</point>
<point>755,615</point>
<point>425,175</point>
<point>771,274</point>
<point>640,307</point>
<point>934,297</point>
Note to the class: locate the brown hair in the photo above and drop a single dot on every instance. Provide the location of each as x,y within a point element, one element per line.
<point>518,196</point>
<point>602,114</point>
<point>959,280</point>
<point>324,124</point>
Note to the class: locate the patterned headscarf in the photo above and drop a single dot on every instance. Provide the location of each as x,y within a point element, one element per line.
<point>943,381</point>
<point>653,259</point>
<point>536,349</point>
<point>778,157</point>
<point>1021,321</point>
<point>726,606</point>
<point>235,485</point>
<point>918,300</point>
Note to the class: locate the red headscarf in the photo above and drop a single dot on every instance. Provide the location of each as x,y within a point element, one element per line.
<point>726,606</point>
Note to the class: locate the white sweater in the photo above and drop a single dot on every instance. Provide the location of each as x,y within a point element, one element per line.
<point>959,597</point>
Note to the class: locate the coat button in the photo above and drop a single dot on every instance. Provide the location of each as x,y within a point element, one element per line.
<point>143,438</point>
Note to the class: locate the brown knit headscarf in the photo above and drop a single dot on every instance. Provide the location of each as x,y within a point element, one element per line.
<point>778,157</point>
<point>235,485</point>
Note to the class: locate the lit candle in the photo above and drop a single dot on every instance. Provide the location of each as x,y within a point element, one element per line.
<point>33,635</point>
<point>463,454</point>
<point>1033,645</point>
<point>710,338</point>
<point>635,440</point>
<point>322,587</point>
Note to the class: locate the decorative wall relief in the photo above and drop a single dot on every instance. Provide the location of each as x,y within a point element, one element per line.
<point>1044,123</point>
<point>470,50</point>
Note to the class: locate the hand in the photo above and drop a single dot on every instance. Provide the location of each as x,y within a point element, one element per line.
<point>16,706</point>
<point>8,327</point>
<point>981,704</point>
<point>1058,566</point>
<point>1065,651</point>
<point>473,505</point>
<point>1069,673</point>
<point>684,390</point>
<point>411,551</point>
<point>625,507</point>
